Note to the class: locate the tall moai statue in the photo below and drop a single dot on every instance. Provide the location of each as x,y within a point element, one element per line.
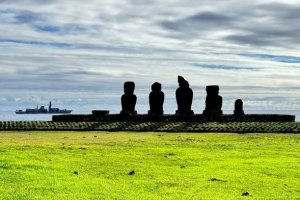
<point>238,108</point>
<point>128,99</point>
<point>156,100</point>
<point>184,97</point>
<point>213,103</point>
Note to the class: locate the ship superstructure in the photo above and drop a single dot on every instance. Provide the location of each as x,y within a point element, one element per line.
<point>43,110</point>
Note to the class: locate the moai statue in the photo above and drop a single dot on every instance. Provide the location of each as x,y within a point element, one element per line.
<point>238,108</point>
<point>213,102</point>
<point>128,100</point>
<point>184,97</point>
<point>156,100</point>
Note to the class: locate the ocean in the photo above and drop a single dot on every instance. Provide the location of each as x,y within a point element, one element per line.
<point>11,116</point>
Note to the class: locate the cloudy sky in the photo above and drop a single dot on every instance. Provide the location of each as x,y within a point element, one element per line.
<point>79,53</point>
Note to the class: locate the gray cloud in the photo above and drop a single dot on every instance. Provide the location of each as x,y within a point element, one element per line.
<point>200,22</point>
<point>272,24</point>
<point>203,21</point>
<point>27,2</point>
<point>267,24</point>
<point>280,10</point>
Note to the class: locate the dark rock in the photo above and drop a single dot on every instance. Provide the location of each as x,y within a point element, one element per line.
<point>156,100</point>
<point>219,180</point>
<point>131,172</point>
<point>71,118</point>
<point>75,172</point>
<point>128,99</point>
<point>245,194</point>
<point>100,112</point>
<point>184,97</point>
<point>171,154</point>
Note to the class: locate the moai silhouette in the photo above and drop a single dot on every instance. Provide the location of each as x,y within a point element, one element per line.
<point>128,99</point>
<point>156,100</point>
<point>184,97</point>
<point>213,102</point>
<point>238,108</point>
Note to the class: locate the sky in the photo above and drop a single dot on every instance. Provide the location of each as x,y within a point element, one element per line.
<point>79,53</point>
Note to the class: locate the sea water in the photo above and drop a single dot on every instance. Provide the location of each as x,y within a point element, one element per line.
<point>12,116</point>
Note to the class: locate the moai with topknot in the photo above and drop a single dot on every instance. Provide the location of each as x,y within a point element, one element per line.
<point>156,100</point>
<point>213,103</point>
<point>184,97</point>
<point>128,99</point>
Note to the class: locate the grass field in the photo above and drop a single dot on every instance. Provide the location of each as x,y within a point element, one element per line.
<point>96,165</point>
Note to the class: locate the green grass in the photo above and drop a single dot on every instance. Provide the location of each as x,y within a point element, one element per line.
<point>41,165</point>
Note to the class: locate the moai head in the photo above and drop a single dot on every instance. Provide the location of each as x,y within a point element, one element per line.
<point>129,87</point>
<point>156,87</point>
<point>182,82</point>
<point>212,90</point>
<point>238,105</point>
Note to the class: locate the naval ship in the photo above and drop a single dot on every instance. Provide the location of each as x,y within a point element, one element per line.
<point>43,110</point>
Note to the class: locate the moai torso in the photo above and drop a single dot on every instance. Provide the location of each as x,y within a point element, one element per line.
<point>156,99</point>
<point>213,102</point>
<point>238,107</point>
<point>184,97</point>
<point>128,99</point>
<point>213,99</point>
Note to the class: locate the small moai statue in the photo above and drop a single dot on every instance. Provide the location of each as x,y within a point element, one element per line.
<point>128,99</point>
<point>156,100</point>
<point>184,97</point>
<point>238,108</point>
<point>213,103</point>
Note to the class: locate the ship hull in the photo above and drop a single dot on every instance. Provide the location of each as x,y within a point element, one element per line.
<point>62,112</point>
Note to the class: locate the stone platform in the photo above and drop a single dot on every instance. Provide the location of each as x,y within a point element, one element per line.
<point>172,127</point>
<point>172,118</point>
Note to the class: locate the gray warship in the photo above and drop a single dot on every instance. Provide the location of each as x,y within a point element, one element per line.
<point>43,110</point>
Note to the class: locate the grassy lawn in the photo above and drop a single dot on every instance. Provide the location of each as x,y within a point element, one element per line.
<point>96,165</point>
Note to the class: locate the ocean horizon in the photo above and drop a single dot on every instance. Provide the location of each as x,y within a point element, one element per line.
<point>12,116</point>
